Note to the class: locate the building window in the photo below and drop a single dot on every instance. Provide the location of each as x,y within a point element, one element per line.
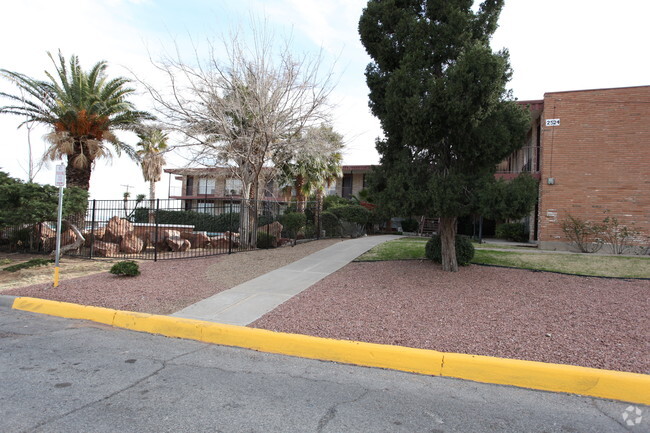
<point>234,187</point>
<point>205,207</point>
<point>189,185</point>
<point>364,181</point>
<point>206,186</point>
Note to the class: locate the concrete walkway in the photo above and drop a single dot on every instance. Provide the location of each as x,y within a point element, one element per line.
<point>249,301</point>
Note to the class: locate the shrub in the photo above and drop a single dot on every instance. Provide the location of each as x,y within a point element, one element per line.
<point>331,224</point>
<point>332,201</point>
<point>618,237</point>
<point>265,240</point>
<point>410,225</point>
<point>584,234</point>
<point>512,231</point>
<point>126,268</point>
<point>201,221</point>
<point>293,222</point>
<point>310,231</point>
<point>29,264</point>
<point>464,250</point>
<point>353,213</point>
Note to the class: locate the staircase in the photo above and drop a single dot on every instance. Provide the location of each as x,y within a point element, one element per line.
<point>428,226</point>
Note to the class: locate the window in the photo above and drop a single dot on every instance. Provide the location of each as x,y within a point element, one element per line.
<point>206,186</point>
<point>234,187</point>
<point>205,207</point>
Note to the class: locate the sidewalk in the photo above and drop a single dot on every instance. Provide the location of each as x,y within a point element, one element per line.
<point>249,301</point>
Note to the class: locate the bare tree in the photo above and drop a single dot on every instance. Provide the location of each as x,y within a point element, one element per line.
<point>243,107</point>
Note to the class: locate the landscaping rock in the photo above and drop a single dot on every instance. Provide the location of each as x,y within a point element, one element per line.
<point>131,244</point>
<point>274,229</point>
<point>116,229</point>
<point>44,231</point>
<point>178,244</point>
<point>106,249</point>
<point>220,242</point>
<point>197,239</point>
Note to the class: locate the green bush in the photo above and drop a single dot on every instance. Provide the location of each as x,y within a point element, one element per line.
<point>464,250</point>
<point>29,264</point>
<point>332,201</point>
<point>331,224</point>
<point>353,213</point>
<point>512,231</point>
<point>127,268</point>
<point>293,222</point>
<point>410,225</point>
<point>201,221</point>
<point>265,240</point>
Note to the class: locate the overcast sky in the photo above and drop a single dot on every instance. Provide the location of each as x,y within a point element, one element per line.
<point>554,45</point>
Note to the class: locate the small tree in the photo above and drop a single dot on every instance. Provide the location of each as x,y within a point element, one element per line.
<point>242,110</point>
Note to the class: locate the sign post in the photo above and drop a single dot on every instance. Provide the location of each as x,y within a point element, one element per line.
<point>59,181</point>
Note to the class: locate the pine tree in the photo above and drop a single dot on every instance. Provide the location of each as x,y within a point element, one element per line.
<point>440,94</point>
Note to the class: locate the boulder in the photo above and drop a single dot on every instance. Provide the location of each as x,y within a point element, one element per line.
<point>220,242</point>
<point>106,249</point>
<point>99,236</point>
<point>274,229</point>
<point>131,244</point>
<point>178,244</point>
<point>44,231</point>
<point>197,239</point>
<point>116,229</point>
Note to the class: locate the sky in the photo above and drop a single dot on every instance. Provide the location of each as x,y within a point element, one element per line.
<point>554,45</point>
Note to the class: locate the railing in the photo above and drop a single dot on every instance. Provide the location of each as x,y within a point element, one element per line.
<point>524,160</point>
<point>164,229</point>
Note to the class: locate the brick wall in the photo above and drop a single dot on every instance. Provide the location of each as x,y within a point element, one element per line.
<point>599,157</point>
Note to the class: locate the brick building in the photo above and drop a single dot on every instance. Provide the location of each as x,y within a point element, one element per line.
<point>593,156</point>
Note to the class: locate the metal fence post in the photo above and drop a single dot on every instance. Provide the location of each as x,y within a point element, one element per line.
<point>155,245</point>
<point>92,231</point>
<point>230,227</point>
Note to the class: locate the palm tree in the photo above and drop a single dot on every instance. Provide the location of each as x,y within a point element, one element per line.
<point>152,144</point>
<point>82,108</point>
<point>317,167</point>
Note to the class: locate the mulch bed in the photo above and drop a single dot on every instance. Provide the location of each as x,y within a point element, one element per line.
<point>540,316</point>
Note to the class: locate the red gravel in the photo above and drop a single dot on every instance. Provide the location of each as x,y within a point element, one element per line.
<point>592,322</point>
<point>164,287</point>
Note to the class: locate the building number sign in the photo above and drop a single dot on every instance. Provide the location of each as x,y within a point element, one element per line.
<point>552,122</point>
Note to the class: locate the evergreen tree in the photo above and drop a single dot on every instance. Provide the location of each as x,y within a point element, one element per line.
<point>440,94</point>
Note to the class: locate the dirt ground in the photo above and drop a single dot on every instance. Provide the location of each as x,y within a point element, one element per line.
<point>69,267</point>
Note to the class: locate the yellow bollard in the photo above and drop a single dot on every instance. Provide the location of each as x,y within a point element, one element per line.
<point>56,276</point>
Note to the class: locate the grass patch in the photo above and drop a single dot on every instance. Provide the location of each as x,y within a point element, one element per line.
<point>28,264</point>
<point>4,261</point>
<point>399,249</point>
<point>501,246</point>
<point>592,265</point>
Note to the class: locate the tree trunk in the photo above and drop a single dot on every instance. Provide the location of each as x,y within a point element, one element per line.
<point>300,197</point>
<point>79,177</point>
<point>447,230</point>
<point>152,199</point>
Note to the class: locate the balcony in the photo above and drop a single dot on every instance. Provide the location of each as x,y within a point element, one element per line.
<point>524,160</point>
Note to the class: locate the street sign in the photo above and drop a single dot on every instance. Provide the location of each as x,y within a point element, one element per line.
<point>59,176</point>
<point>552,122</point>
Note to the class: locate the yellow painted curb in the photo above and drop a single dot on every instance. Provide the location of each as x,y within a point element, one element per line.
<point>629,387</point>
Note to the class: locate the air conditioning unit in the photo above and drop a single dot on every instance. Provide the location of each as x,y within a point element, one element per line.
<point>234,192</point>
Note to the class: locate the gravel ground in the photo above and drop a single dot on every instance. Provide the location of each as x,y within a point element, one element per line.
<point>593,322</point>
<point>167,286</point>
<point>540,316</point>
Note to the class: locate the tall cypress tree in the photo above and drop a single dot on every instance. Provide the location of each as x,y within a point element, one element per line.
<point>440,94</point>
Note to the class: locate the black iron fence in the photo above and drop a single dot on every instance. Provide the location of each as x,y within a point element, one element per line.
<point>167,229</point>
